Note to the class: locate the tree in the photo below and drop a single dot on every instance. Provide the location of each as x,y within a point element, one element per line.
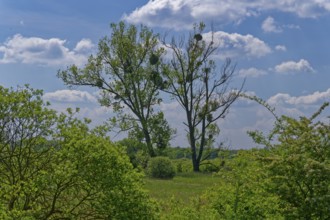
<point>125,70</point>
<point>298,164</point>
<point>25,153</point>
<point>54,167</point>
<point>194,81</point>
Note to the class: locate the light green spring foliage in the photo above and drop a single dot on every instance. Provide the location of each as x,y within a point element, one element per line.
<point>241,193</point>
<point>298,165</point>
<point>195,210</point>
<point>54,167</point>
<point>289,179</point>
<point>125,70</point>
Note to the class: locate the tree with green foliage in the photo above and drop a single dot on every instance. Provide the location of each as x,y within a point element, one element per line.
<point>200,88</point>
<point>136,153</point>
<point>25,151</point>
<point>54,167</point>
<point>298,164</point>
<point>125,70</point>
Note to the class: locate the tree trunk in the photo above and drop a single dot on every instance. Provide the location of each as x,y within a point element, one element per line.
<point>195,162</point>
<point>192,140</point>
<point>150,149</point>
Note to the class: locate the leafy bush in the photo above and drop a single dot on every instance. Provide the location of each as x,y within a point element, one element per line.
<point>182,165</point>
<point>54,167</point>
<point>241,193</point>
<point>210,166</point>
<point>298,164</point>
<point>161,167</point>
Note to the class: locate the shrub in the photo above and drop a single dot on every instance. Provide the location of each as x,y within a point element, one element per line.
<point>242,193</point>
<point>183,165</point>
<point>54,167</point>
<point>161,167</point>
<point>298,164</point>
<point>210,166</point>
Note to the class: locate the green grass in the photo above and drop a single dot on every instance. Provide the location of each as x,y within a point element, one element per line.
<point>183,186</point>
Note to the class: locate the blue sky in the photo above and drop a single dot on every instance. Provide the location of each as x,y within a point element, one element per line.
<point>281,48</point>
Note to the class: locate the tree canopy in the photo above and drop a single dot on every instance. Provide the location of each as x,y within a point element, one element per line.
<point>54,167</point>
<point>125,70</point>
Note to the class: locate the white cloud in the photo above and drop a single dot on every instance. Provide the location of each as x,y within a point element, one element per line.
<point>233,45</point>
<point>280,48</point>
<point>251,72</point>
<point>85,45</point>
<point>269,25</point>
<point>35,50</point>
<point>69,96</point>
<point>310,99</point>
<point>181,14</point>
<point>293,67</point>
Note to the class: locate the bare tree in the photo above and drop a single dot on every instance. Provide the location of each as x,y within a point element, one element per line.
<point>201,89</point>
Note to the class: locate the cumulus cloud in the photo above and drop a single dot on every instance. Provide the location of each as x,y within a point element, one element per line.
<point>69,96</point>
<point>35,50</point>
<point>269,25</point>
<point>85,45</point>
<point>314,98</point>
<point>293,67</point>
<point>180,14</point>
<point>234,45</point>
<point>251,72</point>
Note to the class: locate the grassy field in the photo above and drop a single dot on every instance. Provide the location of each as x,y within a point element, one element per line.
<point>183,186</point>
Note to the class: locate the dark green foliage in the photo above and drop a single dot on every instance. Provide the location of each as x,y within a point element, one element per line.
<point>136,152</point>
<point>161,167</point>
<point>198,37</point>
<point>153,59</point>
<point>177,153</point>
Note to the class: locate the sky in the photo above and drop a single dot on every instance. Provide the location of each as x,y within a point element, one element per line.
<point>280,48</point>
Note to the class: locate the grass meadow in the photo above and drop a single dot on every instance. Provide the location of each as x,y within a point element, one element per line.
<point>181,195</point>
<point>184,186</point>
